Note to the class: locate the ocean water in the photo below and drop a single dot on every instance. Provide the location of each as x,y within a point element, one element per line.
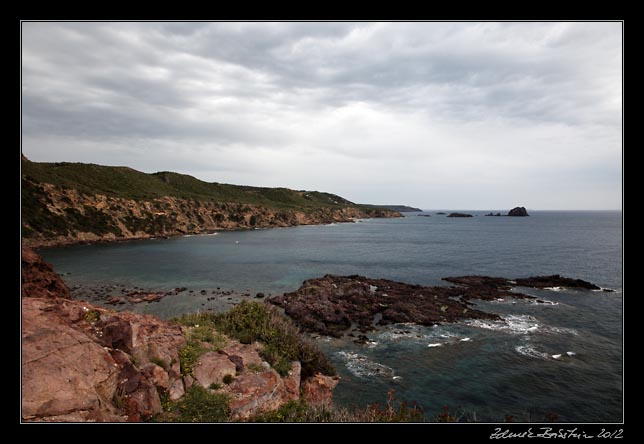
<point>564,357</point>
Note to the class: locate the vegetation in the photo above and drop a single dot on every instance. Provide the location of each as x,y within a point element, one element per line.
<point>251,321</point>
<point>197,405</point>
<point>392,411</point>
<point>128,183</point>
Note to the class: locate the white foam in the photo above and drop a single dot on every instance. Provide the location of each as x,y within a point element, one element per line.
<point>544,302</point>
<point>562,330</point>
<point>466,339</point>
<point>571,353</point>
<point>362,367</point>
<point>531,352</point>
<point>395,378</point>
<point>437,344</point>
<point>516,324</point>
<point>556,356</point>
<point>554,288</point>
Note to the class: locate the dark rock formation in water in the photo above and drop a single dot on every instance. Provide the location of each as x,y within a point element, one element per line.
<point>518,211</point>
<point>492,214</point>
<point>331,305</point>
<point>555,281</point>
<point>459,215</point>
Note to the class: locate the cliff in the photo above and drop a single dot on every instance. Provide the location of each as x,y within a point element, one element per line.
<point>69,203</point>
<point>84,363</point>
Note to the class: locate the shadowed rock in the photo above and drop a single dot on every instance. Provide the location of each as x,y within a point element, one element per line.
<point>518,211</point>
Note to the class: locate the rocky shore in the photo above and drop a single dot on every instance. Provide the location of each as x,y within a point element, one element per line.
<point>82,362</point>
<point>335,305</point>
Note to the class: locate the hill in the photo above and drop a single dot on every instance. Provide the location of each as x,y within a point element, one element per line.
<point>75,202</point>
<point>398,208</point>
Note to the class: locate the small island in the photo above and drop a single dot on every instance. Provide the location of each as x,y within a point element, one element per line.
<point>518,211</point>
<point>459,215</point>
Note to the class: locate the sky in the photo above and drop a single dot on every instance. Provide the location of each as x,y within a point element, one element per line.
<point>438,115</point>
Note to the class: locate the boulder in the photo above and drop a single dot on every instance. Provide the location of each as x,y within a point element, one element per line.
<point>256,392</point>
<point>518,211</point>
<point>39,279</point>
<point>212,367</point>
<point>156,375</point>
<point>176,390</point>
<point>66,375</point>
<point>318,389</point>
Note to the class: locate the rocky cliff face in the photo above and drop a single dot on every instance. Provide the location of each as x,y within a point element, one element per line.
<point>60,216</point>
<point>85,363</point>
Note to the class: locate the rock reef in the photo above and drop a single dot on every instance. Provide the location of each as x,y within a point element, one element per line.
<point>332,305</point>
<point>458,215</point>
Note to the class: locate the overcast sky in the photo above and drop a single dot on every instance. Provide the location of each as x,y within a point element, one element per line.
<point>435,115</point>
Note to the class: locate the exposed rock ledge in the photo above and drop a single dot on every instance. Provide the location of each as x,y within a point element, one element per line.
<point>85,363</point>
<point>331,305</point>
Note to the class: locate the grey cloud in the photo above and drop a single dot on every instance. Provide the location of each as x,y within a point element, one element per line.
<point>257,92</point>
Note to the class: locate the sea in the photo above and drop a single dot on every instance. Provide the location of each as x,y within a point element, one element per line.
<point>560,360</point>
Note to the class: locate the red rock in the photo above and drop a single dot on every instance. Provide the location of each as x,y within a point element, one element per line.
<point>66,375</point>
<point>253,393</point>
<point>176,390</point>
<point>318,389</point>
<point>292,381</point>
<point>156,375</point>
<point>212,367</point>
<point>39,279</point>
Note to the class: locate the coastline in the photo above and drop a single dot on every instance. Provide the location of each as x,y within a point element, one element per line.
<point>91,238</point>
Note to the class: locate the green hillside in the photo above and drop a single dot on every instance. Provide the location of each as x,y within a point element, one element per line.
<point>128,183</point>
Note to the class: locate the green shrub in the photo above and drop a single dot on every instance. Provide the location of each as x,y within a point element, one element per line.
<point>199,405</point>
<point>228,379</point>
<point>252,321</point>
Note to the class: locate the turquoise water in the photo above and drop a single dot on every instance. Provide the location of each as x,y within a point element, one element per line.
<point>482,372</point>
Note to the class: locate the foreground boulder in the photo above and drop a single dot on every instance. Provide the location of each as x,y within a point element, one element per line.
<point>518,211</point>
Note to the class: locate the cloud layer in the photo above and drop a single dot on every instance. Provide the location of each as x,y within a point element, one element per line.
<point>437,115</point>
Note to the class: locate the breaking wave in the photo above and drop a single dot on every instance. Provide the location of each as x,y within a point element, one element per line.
<point>362,367</point>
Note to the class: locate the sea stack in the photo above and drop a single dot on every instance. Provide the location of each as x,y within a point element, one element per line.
<point>518,211</point>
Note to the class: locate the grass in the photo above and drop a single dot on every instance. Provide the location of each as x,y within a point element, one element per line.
<point>119,181</point>
<point>197,405</point>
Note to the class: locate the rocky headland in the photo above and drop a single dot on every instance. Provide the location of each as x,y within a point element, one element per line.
<point>86,363</point>
<point>64,203</point>
<point>334,305</point>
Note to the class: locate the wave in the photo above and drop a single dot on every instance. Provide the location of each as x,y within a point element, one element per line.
<point>362,367</point>
<point>517,324</point>
<point>531,352</point>
<point>436,344</point>
<point>520,324</point>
